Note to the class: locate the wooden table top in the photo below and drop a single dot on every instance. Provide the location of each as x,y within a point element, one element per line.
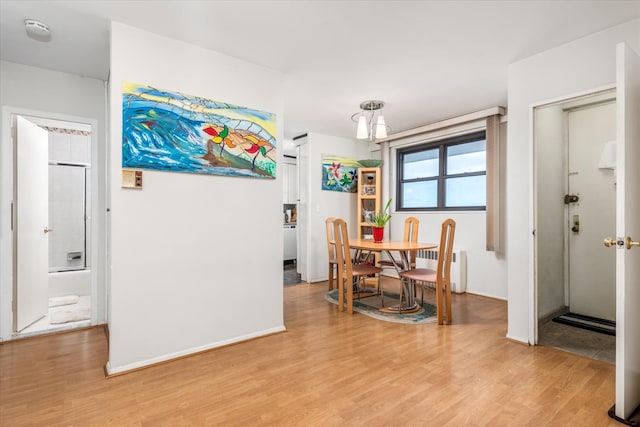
<point>389,245</point>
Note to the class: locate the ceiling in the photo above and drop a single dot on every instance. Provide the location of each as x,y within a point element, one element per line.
<point>427,60</point>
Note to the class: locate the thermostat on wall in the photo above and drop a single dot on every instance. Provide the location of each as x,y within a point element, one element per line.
<point>131,178</point>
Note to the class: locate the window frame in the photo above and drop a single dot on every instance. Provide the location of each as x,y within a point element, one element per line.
<point>442,145</point>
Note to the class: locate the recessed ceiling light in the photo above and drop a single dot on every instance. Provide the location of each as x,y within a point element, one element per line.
<point>37,30</point>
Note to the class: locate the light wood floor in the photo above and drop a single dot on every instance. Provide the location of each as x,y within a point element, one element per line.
<point>330,368</point>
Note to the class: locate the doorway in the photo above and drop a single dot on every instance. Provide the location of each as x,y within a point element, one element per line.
<point>575,207</point>
<point>53,193</point>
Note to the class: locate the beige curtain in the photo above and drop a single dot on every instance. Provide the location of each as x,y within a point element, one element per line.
<point>493,183</point>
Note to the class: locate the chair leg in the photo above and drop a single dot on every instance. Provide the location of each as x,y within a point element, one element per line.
<point>330,284</point>
<point>350,298</point>
<point>447,287</point>
<point>340,280</point>
<point>439,307</point>
<point>380,290</point>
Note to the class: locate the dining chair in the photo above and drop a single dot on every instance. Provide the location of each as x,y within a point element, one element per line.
<point>331,246</point>
<point>350,275</point>
<point>440,278</point>
<point>410,235</point>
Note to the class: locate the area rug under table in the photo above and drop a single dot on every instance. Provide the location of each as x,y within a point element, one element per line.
<point>370,306</point>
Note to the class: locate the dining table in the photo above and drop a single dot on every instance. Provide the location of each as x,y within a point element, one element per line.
<point>364,247</point>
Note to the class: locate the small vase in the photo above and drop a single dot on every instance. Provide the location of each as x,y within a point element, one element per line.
<point>378,234</point>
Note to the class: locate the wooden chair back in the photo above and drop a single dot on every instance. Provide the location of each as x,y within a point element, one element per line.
<point>343,254</point>
<point>331,248</point>
<point>445,250</point>
<point>443,270</point>
<point>331,245</point>
<point>411,235</point>
<point>345,266</point>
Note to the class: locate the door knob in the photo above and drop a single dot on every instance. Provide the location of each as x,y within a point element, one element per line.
<point>609,242</point>
<point>47,230</point>
<point>632,243</point>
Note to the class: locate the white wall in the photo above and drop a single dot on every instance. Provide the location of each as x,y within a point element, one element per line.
<point>577,67</point>
<point>196,260</point>
<point>55,95</point>
<point>551,177</point>
<point>316,205</point>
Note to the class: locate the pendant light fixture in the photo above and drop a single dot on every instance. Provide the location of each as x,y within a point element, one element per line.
<point>371,124</point>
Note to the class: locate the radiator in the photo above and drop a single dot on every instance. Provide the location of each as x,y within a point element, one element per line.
<point>429,259</point>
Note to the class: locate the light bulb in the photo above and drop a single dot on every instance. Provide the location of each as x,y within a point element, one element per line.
<point>362,128</point>
<point>381,128</point>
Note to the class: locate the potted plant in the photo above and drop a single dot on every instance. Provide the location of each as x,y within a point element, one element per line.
<point>380,219</point>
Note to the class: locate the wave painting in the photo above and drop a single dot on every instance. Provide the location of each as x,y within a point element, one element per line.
<point>170,131</point>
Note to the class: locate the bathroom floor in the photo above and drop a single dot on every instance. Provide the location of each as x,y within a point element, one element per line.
<point>62,317</point>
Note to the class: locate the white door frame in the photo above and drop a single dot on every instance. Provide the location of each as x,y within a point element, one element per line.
<point>7,211</point>
<point>533,281</point>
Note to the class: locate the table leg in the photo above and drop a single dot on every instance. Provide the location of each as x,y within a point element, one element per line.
<point>407,298</point>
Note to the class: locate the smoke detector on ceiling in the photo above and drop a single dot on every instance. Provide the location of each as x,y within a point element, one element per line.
<point>37,29</point>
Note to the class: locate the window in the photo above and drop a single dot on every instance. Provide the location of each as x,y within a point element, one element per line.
<point>444,175</point>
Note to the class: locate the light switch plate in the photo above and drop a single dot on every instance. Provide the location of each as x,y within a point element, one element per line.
<point>131,178</point>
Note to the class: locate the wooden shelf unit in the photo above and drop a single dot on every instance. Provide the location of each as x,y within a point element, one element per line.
<point>369,189</point>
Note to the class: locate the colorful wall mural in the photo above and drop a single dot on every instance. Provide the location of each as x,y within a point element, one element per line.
<point>170,131</point>
<point>339,174</point>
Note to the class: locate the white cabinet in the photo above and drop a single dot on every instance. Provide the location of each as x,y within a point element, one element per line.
<point>289,180</point>
<point>290,242</point>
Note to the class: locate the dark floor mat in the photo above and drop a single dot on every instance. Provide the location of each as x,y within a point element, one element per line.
<point>594,324</point>
<point>633,420</point>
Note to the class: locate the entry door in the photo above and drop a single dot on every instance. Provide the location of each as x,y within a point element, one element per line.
<point>32,215</point>
<point>592,284</point>
<point>627,225</point>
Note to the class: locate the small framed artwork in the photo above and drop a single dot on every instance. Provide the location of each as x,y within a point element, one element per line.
<point>339,174</point>
<point>369,190</point>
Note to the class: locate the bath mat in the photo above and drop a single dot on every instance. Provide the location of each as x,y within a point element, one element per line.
<point>370,307</point>
<point>65,300</point>
<point>71,315</point>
